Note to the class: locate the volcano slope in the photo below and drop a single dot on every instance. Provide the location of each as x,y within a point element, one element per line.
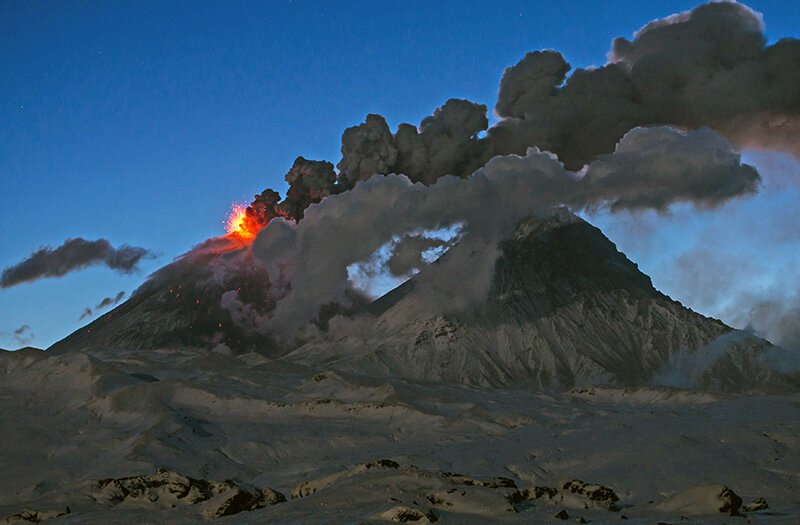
<point>564,308</point>
<point>552,394</point>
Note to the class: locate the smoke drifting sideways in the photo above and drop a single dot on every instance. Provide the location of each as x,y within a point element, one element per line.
<point>307,261</point>
<point>659,124</point>
<point>73,255</point>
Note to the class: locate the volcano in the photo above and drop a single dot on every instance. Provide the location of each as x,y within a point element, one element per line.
<point>180,306</point>
<point>564,308</point>
<point>571,366</point>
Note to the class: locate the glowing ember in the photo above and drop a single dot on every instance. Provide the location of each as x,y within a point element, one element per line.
<point>237,223</point>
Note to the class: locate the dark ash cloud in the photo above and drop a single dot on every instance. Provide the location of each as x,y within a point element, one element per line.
<point>445,143</point>
<point>651,168</point>
<point>708,67</point>
<point>73,255</point>
<point>705,67</point>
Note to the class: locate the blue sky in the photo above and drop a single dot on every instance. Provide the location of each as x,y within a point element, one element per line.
<point>141,122</point>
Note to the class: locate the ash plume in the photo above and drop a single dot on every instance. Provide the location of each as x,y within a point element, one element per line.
<point>708,67</point>
<point>307,261</point>
<point>445,143</point>
<point>655,167</point>
<point>777,319</point>
<point>73,255</point>
<point>705,68</point>
<point>659,124</point>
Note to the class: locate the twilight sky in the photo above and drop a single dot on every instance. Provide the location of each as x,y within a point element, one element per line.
<point>142,123</point>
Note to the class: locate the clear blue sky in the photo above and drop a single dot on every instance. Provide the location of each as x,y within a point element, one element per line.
<point>140,122</point>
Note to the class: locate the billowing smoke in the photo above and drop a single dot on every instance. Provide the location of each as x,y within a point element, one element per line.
<point>307,261</point>
<point>73,255</point>
<point>107,301</point>
<point>659,124</point>
<point>706,67</point>
<point>309,181</point>
<point>446,143</point>
<point>655,167</point>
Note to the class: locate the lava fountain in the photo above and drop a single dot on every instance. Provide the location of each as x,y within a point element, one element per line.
<point>237,224</point>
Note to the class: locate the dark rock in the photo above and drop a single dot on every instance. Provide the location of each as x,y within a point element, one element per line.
<point>732,502</point>
<point>496,483</point>
<point>756,505</point>
<point>34,516</point>
<point>562,515</point>
<point>601,496</point>
<point>529,493</point>
<point>385,463</point>
<point>167,489</point>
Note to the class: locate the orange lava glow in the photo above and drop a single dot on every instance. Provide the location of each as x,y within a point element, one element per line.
<point>237,224</point>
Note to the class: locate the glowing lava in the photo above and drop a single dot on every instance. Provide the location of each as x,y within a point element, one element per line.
<point>237,223</point>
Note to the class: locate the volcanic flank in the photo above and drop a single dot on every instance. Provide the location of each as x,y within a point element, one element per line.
<point>563,307</point>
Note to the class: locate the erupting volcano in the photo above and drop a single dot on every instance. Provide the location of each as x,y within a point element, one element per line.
<point>437,301</point>
<point>237,224</point>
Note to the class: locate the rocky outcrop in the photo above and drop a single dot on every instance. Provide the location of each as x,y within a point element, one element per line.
<point>572,493</point>
<point>167,489</point>
<point>310,487</point>
<point>403,514</point>
<point>34,516</point>
<point>703,499</point>
<point>588,494</point>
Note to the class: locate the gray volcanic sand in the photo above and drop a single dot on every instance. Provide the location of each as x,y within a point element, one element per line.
<point>70,419</point>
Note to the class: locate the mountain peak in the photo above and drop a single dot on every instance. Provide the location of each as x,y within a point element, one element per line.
<point>533,225</point>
